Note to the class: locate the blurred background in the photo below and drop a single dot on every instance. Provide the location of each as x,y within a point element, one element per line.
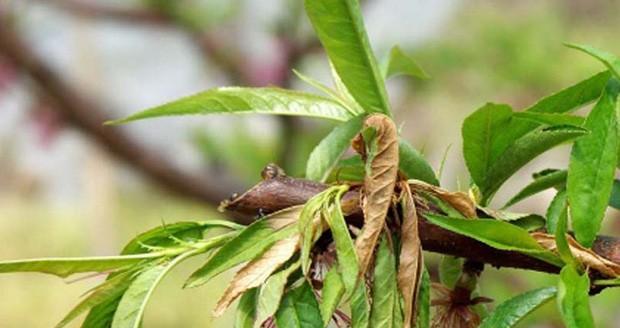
<point>72,187</point>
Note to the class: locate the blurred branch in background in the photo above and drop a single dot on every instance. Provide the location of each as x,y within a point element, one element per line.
<point>88,116</point>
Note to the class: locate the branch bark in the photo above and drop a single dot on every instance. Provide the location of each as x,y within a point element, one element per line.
<point>279,192</point>
<point>88,117</point>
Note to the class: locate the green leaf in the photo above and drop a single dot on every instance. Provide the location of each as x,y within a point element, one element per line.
<point>564,101</point>
<point>307,225</point>
<point>64,267</point>
<point>251,242</point>
<point>449,270</point>
<point>497,234</point>
<point>111,289</point>
<point>400,63</point>
<point>348,264</point>
<point>344,100</point>
<point>480,131</point>
<point>414,165</point>
<point>614,199</point>
<point>385,295</point>
<point>131,307</point>
<point>340,28</point>
<point>236,100</point>
<point>592,167</point>
<point>246,310</point>
<point>556,210</point>
<point>523,151</point>
<point>608,59</point>
<point>561,240</point>
<point>332,292</point>
<point>348,169</point>
<point>271,293</point>
<point>299,309</point>
<point>540,183</point>
<point>101,316</point>
<point>509,313</point>
<point>166,234</point>
<point>550,118</point>
<point>572,299</point>
<point>424,301</point>
<point>326,154</point>
<point>360,307</point>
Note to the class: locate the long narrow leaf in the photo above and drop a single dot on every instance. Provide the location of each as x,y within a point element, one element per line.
<point>573,299</point>
<point>385,294</point>
<point>299,309</point>
<point>593,165</point>
<point>331,294</point>
<point>339,26</point>
<point>64,267</point>
<point>235,100</point>
<point>327,153</point>
<point>608,59</point>
<point>497,234</point>
<point>509,313</point>
<point>539,184</point>
<point>246,310</point>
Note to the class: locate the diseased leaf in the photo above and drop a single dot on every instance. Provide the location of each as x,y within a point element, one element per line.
<point>556,210</point>
<point>457,200</point>
<point>331,294</point>
<point>360,307</point>
<point>480,139</point>
<point>584,257</point>
<point>299,309</point>
<point>64,267</point>
<point>450,270</point>
<point>131,306</point>
<point>348,265</point>
<point>572,299</point>
<point>246,310</point>
<point>509,313</point>
<point>592,167</point>
<point>340,29</point>
<point>414,165</point>
<point>400,63</point>
<point>257,271</point>
<point>378,184</point>
<point>326,154</point>
<point>551,118</point>
<point>284,218</point>
<point>237,100</point>
<point>497,234</point>
<point>410,262</point>
<point>271,293</point>
<point>608,59</point>
<point>385,296</point>
<point>423,317</point>
<point>541,183</point>
<point>251,242</point>
<point>109,290</point>
<point>523,151</point>
<point>310,224</point>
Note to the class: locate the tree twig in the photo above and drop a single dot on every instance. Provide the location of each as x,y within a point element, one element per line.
<point>88,116</point>
<point>279,192</point>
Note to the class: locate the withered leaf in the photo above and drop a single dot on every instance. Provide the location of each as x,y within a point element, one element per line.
<point>411,260</point>
<point>382,168</point>
<point>583,255</point>
<point>457,199</point>
<point>257,271</point>
<point>283,218</point>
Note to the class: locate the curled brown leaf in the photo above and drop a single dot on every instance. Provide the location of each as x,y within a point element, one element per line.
<point>457,199</point>
<point>583,255</point>
<point>382,167</point>
<point>410,260</point>
<point>257,271</point>
<point>283,218</point>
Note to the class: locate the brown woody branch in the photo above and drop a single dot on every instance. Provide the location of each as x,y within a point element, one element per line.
<point>278,192</point>
<point>88,116</point>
